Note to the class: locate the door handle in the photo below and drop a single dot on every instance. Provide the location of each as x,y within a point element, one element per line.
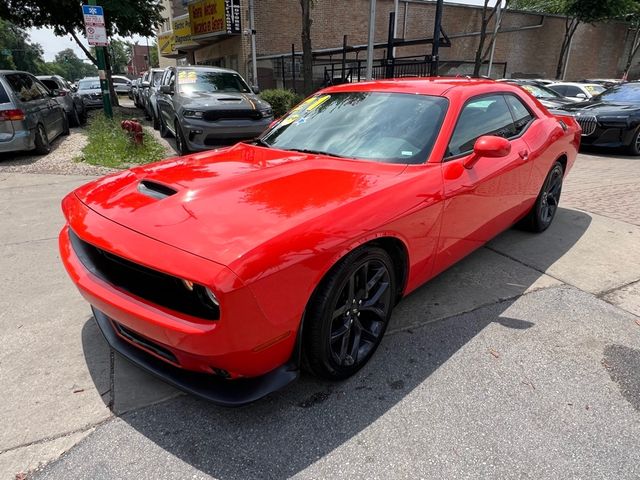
<point>524,155</point>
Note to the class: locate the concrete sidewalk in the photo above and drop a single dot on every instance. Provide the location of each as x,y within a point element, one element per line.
<point>530,324</point>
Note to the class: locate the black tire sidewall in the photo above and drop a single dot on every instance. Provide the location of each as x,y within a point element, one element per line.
<point>42,143</point>
<point>541,225</point>
<point>180,140</point>
<point>318,317</point>
<point>633,149</point>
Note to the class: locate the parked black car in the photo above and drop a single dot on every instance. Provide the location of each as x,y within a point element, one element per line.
<point>71,101</point>
<point>547,97</point>
<point>611,119</point>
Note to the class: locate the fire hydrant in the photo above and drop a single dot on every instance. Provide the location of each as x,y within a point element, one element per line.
<point>134,129</point>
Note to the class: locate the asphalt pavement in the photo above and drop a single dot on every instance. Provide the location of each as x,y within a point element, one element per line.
<point>519,362</point>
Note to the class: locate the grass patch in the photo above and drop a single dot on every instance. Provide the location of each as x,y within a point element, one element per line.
<point>110,146</point>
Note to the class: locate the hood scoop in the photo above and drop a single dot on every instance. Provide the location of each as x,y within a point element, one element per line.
<point>229,99</point>
<point>155,190</point>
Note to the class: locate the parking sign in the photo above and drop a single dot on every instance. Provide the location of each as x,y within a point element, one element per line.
<point>94,25</point>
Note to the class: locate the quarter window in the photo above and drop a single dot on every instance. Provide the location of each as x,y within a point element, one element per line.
<point>487,115</point>
<point>521,114</point>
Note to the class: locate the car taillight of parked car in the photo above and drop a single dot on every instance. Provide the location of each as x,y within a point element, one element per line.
<point>13,114</point>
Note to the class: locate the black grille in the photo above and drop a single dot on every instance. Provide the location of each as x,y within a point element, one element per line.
<point>144,342</point>
<point>236,114</point>
<point>154,286</point>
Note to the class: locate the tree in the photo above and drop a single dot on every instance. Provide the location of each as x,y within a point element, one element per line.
<point>576,12</point>
<point>17,52</point>
<point>488,13</point>
<point>122,17</point>
<point>68,65</point>
<point>307,51</point>
<point>634,20</point>
<point>154,61</point>
<point>120,52</point>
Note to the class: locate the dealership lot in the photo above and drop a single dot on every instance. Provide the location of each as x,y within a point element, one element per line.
<point>521,361</point>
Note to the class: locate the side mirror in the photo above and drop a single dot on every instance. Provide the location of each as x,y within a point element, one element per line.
<point>144,84</point>
<point>166,89</point>
<point>488,146</point>
<point>255,89</point>
<point>581,95</point>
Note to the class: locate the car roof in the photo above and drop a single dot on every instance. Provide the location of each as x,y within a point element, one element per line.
<point>205,68</point>
<point>422,85</point>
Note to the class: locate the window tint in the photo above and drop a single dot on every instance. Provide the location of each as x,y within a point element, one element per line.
<point>25,88</point>
<point>487,115</point>
<point>561,89</point>
<point>50,84</point>
<point>521,114</point>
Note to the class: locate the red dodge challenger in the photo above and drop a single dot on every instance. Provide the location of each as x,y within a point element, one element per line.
<point>225,272</point>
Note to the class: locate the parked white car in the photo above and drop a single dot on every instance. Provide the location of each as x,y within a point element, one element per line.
<point>577,91</point>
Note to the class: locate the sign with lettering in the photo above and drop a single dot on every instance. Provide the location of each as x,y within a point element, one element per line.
<point>215,17</point>
<point>94,25</point>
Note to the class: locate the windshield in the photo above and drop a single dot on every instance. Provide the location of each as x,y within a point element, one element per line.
<point>155,79</point>
<point>594,89</point>
<point>378,126</point>
<point>206,81</point>
<point>89,85</point>
<point>540,92</point>
<point>626,93</point>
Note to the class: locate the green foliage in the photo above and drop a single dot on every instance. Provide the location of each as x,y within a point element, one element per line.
<point>153,54</point>
<point>281,100</point>
<point>68,65</point>
<point>110,146</point>
<point>120,51</point>
<point>586,11</point>
<point>16,50</point>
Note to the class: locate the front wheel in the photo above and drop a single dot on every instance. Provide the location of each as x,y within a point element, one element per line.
<point>181,143</point>
<point>349,313</point>
<point>546,206</point>
<point>164,131</point>
<point>634,147</point>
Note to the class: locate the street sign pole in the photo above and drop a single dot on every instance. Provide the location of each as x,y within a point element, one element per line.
<point>104,83</point>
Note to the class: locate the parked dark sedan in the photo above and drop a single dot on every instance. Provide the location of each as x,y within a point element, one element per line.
<point>611,119</point>
<point>547,97</point>
<point>71,101</point>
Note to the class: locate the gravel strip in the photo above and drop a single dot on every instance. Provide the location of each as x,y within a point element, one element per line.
<point>61,161</point>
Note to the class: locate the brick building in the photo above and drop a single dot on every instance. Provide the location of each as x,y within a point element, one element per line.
<point>529,46</point>
<point>139,61</point>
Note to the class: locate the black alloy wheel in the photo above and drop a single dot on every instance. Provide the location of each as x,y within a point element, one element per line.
<point>349,313</point>
<point>164,131</point>
<point>634,147</point>
<point>544,211</point>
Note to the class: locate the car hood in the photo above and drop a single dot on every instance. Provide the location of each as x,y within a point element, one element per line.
<point>229,202</point>
<point>222,100</point>
<point>601,108</point>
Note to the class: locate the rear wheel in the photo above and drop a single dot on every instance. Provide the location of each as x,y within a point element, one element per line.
<point>348,314</point>
<point>65,124</point>
<point>42,141</point>
<point>546,206</point>
<point>164,131</point>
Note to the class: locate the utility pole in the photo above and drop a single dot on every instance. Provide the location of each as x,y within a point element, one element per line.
<point>104,83</point>
<point>372,34</point>
<point>495,37</point>
<point>252,27</point>
<point>435,60</point>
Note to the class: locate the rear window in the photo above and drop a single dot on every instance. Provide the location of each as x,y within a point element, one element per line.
<point>50,84</point>
<point>4,98</point>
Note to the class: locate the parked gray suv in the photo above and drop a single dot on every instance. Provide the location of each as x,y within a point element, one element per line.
<point>30,116</point>
<point>206,107</point>
<point>71,101</point>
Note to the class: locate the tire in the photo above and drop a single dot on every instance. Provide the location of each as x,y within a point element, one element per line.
<point>42,141</point>
<point>73,118</point>
<point>164,131</point>
<point>155,121</point>
<point>181,142</point>
<point>544,210</point>
<point>634,147</point>
<point>345,321</point>
<point>65,125</point>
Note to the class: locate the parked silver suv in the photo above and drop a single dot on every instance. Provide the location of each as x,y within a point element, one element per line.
<point>30,116</point>
<point>205,107</point>
<point>71,101</point>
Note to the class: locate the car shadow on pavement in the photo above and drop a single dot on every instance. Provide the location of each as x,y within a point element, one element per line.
<point>291,430</point>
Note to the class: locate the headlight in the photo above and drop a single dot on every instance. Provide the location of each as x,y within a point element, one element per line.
<point>212,296</point>
<point>193,114</point>
<point>266,112</point>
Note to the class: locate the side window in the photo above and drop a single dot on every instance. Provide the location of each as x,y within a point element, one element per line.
<point>44,91</point>
<point>25,88</point>
<point>572,91</point>
<point>486,115</point>
<point>171,78</point>
<point>521,114</point>
<point>560,90</point>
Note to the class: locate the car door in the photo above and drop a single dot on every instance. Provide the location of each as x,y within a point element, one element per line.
<point>55,109</point>
<point>487,198</point>
<point>165,100</point>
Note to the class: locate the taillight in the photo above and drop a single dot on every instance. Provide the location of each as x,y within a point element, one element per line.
<point>14,114</point>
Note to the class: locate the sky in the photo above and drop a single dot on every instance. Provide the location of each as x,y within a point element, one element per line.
<point>53,44</point>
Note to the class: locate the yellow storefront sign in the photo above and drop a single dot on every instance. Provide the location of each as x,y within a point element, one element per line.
<point>207,17</point>
<point>182,32</point>
<point>166,42</point>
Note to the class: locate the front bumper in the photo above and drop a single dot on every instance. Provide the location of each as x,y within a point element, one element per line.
<point>204,135</point>
<point>242,345</point>
<point>228,393</point>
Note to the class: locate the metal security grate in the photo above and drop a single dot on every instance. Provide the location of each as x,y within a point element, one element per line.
<point>588,124</point>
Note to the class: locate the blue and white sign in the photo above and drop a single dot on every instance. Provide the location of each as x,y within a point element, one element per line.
<point>94,25</point>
